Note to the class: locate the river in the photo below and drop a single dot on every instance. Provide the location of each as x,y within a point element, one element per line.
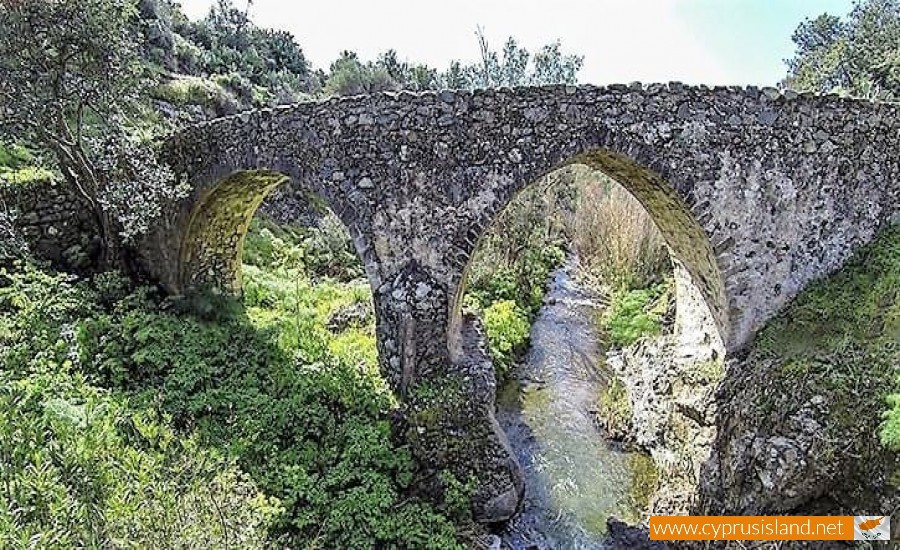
<point>574,478</point>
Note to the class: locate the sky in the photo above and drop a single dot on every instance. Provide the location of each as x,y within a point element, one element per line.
<point>691,41</point>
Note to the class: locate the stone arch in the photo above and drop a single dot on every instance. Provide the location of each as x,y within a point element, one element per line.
<point>213,243</point>
<point>700,293</point>
<point>211,246</point>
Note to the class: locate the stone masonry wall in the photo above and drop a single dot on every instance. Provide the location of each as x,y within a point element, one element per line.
<point>56,224</point>
<point>778,188</point>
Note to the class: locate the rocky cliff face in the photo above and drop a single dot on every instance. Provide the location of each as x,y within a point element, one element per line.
<point>673,415</point>
<point>755,438</point>
<point>787,444</point>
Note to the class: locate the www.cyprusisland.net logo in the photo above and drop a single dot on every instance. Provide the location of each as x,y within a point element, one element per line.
<point>872,527</point>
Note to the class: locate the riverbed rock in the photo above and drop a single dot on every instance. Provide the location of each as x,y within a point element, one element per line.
<point>793,445</point>
<point>727,443</point>
<point>672,414</point>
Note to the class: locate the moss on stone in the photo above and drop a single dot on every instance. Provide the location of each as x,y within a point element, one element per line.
<point>644,479</point>
<point>614,408</point>
<point>838,337</point>
<point>836,346</point>
<point>706,372</point>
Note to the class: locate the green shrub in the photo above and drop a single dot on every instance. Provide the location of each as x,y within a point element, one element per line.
<point>890,432</point>
<point>507,328</point>
<point>19,165</point>
<point>282,424</point>
<point>321,251</point>
<point>192,90</point>
<point>13,157</point>
<point>634,314</point>
<point>85,466</point>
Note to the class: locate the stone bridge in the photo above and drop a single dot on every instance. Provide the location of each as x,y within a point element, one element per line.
<point>756,192</point>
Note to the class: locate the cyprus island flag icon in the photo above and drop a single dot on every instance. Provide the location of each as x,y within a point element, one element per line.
<point>871,528</point>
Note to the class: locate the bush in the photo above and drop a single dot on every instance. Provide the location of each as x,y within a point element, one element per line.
<point>19,165</point>
<point>324,250</point>
<point>262,416</point>
<point>521,249</point>
<point>890,431</point>
<point>192,90</point>
<point>507,328</point>
<point>635,314</point>
<point>189,58</point>
<point>13,157</point>
<point>85,466</point>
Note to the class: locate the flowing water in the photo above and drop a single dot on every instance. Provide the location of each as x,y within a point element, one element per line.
<point>574,478</point>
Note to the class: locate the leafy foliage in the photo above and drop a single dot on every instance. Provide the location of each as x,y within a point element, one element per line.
<point>192,90</point>
<point>83,466</point>
<point>524,244</point>
<point>18,164</point>
<point>227,42</point>
<point>323,250</point>
<point>291,419</point>
<point>507,328</point>
<point>70,74</point>
<point>136,185</point>
<point>890,432</point>
<point>859,55</point>
<point>637,313</point>
<point>12,243</point>
<point>350,76</point>
<point>515,66</point>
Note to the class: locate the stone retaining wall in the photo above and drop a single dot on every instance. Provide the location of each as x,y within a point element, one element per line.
<point>55,223</point>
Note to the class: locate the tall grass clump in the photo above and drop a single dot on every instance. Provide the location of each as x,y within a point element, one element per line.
<point>617,241</point>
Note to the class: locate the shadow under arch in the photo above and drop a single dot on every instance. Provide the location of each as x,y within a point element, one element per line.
<point>211,248</point>
<point>701,302</point>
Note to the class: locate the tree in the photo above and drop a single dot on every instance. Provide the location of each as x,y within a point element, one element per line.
<point>350,76</point>
<point>70,75</point>
<point>408,76</point>
<point>514,66</point>
<point>234,44</point>
<point>859,56</point>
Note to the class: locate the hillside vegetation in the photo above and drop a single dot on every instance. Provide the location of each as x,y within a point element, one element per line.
<point>125,417</point>
<point>841,337</point>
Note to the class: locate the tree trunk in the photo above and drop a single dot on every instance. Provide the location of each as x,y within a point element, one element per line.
<point>82,179</point>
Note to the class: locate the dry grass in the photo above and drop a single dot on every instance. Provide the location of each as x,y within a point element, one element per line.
<point>615,237</point>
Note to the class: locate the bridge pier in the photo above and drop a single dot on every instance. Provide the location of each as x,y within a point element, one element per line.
<point>447,403</point>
